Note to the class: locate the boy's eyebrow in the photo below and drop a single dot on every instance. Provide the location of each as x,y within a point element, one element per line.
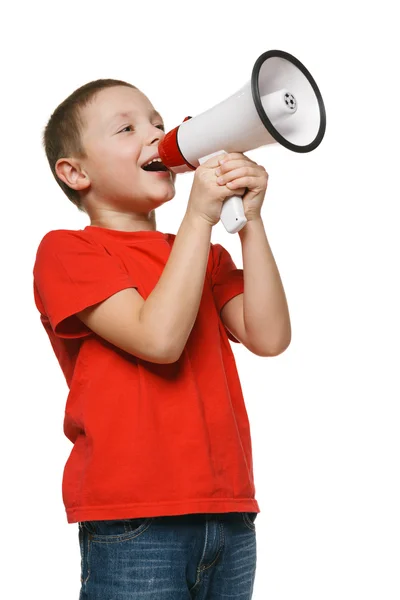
<point>154,113</point>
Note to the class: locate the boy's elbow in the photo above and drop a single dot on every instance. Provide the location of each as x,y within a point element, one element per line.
<point>170,354</point>
<point>168,359</point>
<point>173,352</point>
<point>279,348</point>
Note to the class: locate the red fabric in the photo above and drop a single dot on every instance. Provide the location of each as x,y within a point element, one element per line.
<point>148,439</point>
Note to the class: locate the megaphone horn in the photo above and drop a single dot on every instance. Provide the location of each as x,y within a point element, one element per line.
<point>281,103</point>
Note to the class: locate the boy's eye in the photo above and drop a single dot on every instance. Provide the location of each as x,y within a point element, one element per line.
<point>130,127</point>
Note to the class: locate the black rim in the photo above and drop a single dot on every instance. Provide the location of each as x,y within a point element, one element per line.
<point>267,123</point>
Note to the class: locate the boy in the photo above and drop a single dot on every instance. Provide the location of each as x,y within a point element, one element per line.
<point>160,477</point>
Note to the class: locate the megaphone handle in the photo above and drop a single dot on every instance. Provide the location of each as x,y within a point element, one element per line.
<point>232,213</point>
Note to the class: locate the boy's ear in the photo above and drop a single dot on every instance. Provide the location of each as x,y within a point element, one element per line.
<point>70,172</point>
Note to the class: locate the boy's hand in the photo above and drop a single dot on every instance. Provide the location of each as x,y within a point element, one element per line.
<point>235,172</point>
<point>207,197</point>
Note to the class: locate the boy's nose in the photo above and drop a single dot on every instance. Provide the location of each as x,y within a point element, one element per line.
<point>158,137</point>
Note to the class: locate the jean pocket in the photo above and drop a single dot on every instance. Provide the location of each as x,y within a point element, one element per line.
<point>116,530</point>
<point>249,520</point>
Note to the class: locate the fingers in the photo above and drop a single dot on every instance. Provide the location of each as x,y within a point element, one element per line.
<point>224,178</point>
<point>232,159</point>
<point>236,192</point>
<point>236,172</point>
<point>237,156</point>
<point>213,162</point>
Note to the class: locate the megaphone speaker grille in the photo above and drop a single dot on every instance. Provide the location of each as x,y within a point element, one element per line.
<point>288,101</point>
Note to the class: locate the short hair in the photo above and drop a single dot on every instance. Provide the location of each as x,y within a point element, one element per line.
<point>62,134</point>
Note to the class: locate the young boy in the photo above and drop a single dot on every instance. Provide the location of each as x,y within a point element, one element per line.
<point>160,476</point>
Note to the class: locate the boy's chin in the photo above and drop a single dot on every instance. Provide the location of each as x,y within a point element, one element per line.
<point>160,197</point>
<point>164,187</point>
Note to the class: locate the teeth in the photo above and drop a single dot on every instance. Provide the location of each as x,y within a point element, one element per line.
<point>153,160</point>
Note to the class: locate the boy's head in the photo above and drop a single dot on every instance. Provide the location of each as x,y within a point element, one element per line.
<point>97,141</point>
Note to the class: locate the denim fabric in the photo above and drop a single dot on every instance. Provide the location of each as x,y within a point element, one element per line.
<point>184,557</point>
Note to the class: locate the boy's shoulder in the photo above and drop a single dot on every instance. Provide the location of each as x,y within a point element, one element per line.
<point>56,237</point>
<point>60,233</point>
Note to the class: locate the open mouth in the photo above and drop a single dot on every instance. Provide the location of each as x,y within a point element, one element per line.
<point>155,166</point>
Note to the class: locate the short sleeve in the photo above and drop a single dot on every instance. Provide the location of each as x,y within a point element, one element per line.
<point>226,279</point>
<point>71,273</point>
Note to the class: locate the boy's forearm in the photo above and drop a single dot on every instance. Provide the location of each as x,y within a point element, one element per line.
<point>265,309</point>
<point>171,308</point>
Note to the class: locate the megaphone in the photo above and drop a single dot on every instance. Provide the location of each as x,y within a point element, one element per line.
<point>280,104</point>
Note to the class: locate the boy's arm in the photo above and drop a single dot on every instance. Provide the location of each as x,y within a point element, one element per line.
<point>117,320</point>
<point>173,305</point>
<point>157,329</point>
<point>266,320</point>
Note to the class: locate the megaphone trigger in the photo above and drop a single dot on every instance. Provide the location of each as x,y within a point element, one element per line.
<point>203,159</point>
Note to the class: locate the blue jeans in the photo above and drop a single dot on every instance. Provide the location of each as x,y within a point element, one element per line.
<point>185,557</point>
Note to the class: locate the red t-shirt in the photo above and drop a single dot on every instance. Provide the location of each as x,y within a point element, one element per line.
<point>148,439</point>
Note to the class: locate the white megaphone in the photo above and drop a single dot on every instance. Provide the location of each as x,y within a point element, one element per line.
<point>280,104</point>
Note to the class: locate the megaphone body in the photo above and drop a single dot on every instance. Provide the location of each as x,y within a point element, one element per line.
<point>280,104</point>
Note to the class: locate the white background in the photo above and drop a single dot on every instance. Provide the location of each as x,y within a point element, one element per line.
<point>324,415</point>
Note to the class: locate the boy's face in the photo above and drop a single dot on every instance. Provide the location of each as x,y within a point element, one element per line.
<point>121,134</point>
